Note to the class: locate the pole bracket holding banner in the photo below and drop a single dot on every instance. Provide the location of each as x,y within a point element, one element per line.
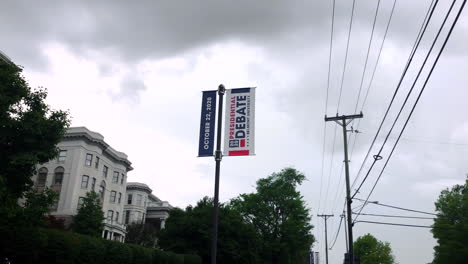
<point>218,155</point>
<point>221,89</point>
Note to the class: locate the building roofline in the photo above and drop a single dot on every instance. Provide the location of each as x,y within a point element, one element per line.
<point>98,139</point>
<point>139,186</point>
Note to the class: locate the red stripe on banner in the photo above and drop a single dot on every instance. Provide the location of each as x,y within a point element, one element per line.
<point>242,143</point>
<point>239,153</point>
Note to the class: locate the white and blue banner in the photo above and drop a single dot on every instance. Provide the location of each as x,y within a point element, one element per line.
<point>239,129</point>
<point>207,124</point>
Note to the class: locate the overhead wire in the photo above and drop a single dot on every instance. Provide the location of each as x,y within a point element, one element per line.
<point>326,105</point>
<point>360,88</point>
<point>367,55</point>
<point>346,56</point>
<point>393,224</point>
<point>337,233</point>
<point>396,207</point>
<point>397,216</point>
<point>421,91</point>
<point>409,93</point>
<point>421,33</point>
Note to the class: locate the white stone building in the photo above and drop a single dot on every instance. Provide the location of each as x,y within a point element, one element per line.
<point>87,163</point>
<point>143,207</point>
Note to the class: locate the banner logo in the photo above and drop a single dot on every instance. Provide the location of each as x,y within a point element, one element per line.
<point>239,122</point>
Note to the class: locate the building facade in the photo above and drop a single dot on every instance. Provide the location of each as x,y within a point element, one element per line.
<point>87,163</point>
<point>143,207</point>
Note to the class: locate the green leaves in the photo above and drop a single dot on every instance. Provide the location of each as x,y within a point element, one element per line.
<point>279,215</point>
<point>372,251</point>
<point>451,225</point>
<point>89,220</point>
<point>29,131</point>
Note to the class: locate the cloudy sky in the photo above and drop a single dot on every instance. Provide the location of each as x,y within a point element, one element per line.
<point>134,71</point>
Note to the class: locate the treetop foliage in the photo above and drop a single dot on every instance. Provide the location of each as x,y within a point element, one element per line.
<point>89,219</point>
<point>29,131</point>
<point>451,225</point>
<point>271,225</point>
<point>372,251</point>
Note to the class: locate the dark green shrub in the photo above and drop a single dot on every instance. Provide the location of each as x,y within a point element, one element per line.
<point>117,253</point>
<point>21,245</point>
<point>160,257</point>
<point>30,246</point>
<point>62,247</point>
<point>192,259</point>
<point>141,255</point>
<point>91,250</point>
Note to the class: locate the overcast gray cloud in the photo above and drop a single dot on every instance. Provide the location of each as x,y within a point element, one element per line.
<point>140,67</point>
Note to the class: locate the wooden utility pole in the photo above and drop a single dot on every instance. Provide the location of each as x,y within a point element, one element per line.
<point>343,121</point>
<point>325,217</point>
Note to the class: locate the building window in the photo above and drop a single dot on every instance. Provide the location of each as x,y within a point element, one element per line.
<point>58,175</point>
<point>102,189</point>
<point>127,217</point>
<point>112,196</point>
<point>42,177</point>
<point>138,201</point>
<point>116,217</point>
<point>80,202</point>
<point>115,178</point>
<point>104,171</point>
<point>120,197</point>
<point>129,199</point>
<point>96,163</point>
<point>122,179</point>
<point>93,184</point>
<point>144,201</point>
<point>110,215</point>
<point>89,159</point>
<point>84,181</point>
<point>62,155</point>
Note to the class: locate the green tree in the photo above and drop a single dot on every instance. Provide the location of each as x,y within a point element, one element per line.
<point>280,217</point>
<point>451,226</point>
<point>372,251</point>
<point>189,231</point>
<point>142,234</point>
<point>89,219</point>
<point>29,132</point>
<point>37,206</point>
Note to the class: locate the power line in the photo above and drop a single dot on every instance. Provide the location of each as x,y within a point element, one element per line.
<point>367,55</point>
<point>378,157</point>
<point>420,93</point>
<point>331,163</point>
<point>330,54</point>
<point>326,100</point>
<point>394,224</point>
<point>338,231</point>
<point>346,56</point>
<point>395,207</point>
<point>429,141</point>
<point>370,85</point>
<point>396,216</point>
<point>410,59</point>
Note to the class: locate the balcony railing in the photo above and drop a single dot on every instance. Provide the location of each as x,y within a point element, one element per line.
<point>113,223</point>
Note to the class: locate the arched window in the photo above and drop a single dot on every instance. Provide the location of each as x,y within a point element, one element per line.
<point>102,190</point>
<point>58,175</point>
<point>42,176</point>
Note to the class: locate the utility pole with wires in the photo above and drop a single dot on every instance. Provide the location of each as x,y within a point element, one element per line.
<point>343,121</point>
<point>325,217</point>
